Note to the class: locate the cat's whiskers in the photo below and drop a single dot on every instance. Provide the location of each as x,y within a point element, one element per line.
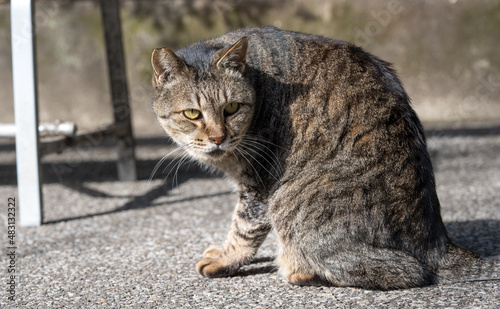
<point>175,182</point>
<point>177,164</point>
<point>174,159</point>
<point>263,151</point>
<point>242,153</point>
<point>260,139</point>
<point>255,151</point>
<point>162,160</point>
<point>261,142</point>
<point>235,156</point>
<point>157,166</point>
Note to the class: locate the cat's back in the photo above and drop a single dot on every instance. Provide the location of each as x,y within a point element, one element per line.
<point>279,53</point>
<point>284,54</point>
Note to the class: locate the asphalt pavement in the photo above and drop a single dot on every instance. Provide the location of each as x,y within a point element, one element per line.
<point>111,244</point>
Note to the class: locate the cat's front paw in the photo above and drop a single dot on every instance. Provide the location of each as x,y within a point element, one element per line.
<point>213,252</point>
<point>214,267</point>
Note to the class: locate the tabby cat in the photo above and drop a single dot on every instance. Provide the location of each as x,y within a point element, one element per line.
<point>326,152</point>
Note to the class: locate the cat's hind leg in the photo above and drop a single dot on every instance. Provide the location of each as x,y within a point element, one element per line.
<point>377,268</point>
<point>370,268</point>
<point>296,269</point>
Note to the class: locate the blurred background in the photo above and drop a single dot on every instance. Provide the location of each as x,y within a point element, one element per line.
<point>446,52</point>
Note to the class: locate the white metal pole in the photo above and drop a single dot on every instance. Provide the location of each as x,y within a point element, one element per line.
<point>26,113</point>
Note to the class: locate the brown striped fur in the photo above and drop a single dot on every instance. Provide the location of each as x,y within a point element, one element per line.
<point>326,151</point>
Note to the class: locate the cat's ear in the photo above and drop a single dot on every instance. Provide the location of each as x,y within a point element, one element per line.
<point>232,57</point>
<point>167,66</point>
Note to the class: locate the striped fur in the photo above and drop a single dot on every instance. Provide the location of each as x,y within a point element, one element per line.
<point>326,152</point>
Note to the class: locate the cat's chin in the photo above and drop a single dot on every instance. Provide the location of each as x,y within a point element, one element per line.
<point>217,153</point>
<point>210,157</point>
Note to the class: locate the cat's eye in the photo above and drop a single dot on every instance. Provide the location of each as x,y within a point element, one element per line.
<point>231,108</point>
<point>192,114</point>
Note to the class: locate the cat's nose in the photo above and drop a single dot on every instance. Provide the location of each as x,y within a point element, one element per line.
<point>217,140</point>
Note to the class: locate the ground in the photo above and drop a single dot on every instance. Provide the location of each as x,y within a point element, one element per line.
<point>110,244</point>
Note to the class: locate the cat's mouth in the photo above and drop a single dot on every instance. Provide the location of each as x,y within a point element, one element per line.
<point>216,153</point>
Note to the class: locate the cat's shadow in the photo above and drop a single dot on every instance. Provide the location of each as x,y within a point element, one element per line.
<point>480,236</point>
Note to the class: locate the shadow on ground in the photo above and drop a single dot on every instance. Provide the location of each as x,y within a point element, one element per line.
<point>73,173</point>
<point>480,236</point>
<point>104,171</point>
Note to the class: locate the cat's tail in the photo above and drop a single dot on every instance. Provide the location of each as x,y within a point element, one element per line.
<point>461,265</point>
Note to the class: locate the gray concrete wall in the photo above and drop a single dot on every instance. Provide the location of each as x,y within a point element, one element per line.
<point>446,52</point>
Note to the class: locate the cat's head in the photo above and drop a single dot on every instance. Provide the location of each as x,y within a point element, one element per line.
<point>203,99</point>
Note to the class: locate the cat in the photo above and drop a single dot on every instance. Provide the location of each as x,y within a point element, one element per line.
<point>326,152</point>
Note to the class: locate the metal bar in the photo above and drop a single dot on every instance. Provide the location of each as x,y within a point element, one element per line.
<point>26,113</point>
<point>7,130</point>
<point>119,89</point>
<point>57,128</point>
<point>93,138</point>
<point>44,129</point>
